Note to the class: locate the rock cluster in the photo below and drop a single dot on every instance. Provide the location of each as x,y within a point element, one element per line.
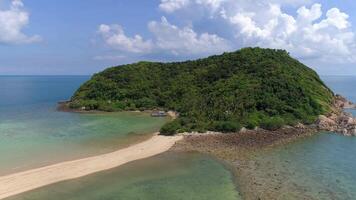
<point>343,123</point>
<point>339,121</point>
<point>343,103</point>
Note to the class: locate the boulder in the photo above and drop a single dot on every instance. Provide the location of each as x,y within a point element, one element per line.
<point>325,123</point>
<point>243,130</point>
<point>300,126</point>
<point>353,131</point>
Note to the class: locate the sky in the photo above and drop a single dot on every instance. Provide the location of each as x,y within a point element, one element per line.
<point>77,37</point>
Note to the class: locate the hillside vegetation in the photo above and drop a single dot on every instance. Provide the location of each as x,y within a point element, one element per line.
<point>250,87</point>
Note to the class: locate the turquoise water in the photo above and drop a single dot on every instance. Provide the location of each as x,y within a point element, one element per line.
<point>33,133</point>
<point>169,176</point>
<point>318,167</point>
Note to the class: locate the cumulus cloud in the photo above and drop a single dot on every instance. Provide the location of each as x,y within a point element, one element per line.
<point>306,33</point>
<point>12,21</point>
<point>167,38</point>
<point>306,36</point>
<point>115,37</point>
<point>185,40</point>
<point>305,30</point>
<point>173,5</point>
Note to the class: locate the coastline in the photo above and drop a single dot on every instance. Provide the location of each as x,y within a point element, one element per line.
<point>238,151</point>
<point>64,107</point>
<point>28,180</point>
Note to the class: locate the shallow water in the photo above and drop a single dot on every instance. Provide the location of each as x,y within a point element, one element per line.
<point>33,133</point>
<point>173,176</point>
<point>318,167</point>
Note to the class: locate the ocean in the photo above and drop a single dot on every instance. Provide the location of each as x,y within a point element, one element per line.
<point>317,167</point>
<point>33,133</point>
<point>321,167</point>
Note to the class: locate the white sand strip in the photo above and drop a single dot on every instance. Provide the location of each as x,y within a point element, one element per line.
<point>28,180</point>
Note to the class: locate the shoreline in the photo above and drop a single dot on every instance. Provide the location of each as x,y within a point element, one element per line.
<point>64,107</point>
<point>238,151</point>
<point>21,182</point>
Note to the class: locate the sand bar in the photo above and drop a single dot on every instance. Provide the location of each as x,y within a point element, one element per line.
<point>28,180</point>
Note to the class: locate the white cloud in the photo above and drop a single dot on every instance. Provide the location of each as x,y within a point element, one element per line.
<point>173,5</point>
<point>185,40</point>
<point>167,38</point>
<point>302,35</point>
<point>305,33</point>
<point>305,30</point>
<point>12,22</point>
<point>115,37</point>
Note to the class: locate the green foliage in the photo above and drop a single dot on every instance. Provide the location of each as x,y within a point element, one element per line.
<point>272,123</point>
<point>252,124</point>
<point>246,86</point>
<point>170,128</point>
<point>226,126</point>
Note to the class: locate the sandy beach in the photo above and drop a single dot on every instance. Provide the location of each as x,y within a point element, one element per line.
<point>28,180</point>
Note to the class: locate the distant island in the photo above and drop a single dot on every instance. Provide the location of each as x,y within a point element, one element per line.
<point>252,87</point>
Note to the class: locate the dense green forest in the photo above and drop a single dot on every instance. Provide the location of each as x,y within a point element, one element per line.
<point>250,87</point>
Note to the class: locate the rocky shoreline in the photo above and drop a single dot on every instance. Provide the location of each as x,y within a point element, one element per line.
<point>338,120</point>
<point>238,150</point>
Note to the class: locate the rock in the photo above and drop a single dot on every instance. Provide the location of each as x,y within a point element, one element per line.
<point>287,127</point>
<point>353,131</point>
<point>342,102</point>
<point>345,120</point>
<point>344,131</point>
<point>300,126</point>
<point>333,116</point>
<point>325,123</point>
<point>243,130</point>
<point>338,120</point>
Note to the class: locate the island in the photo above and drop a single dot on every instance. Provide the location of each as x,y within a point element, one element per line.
<point>248,89</point>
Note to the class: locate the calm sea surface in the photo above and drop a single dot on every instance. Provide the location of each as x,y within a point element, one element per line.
<point>318,167</point>
<point>33,133</point>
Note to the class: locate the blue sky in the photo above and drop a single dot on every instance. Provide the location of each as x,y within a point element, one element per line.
<point>48,37</point>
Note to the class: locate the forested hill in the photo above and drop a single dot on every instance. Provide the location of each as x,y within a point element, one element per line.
<point>250,87</point>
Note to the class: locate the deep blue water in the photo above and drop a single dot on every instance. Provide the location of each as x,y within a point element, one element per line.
<point>29,90</point>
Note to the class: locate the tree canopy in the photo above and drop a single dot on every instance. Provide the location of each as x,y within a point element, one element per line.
<point>250,87</point>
